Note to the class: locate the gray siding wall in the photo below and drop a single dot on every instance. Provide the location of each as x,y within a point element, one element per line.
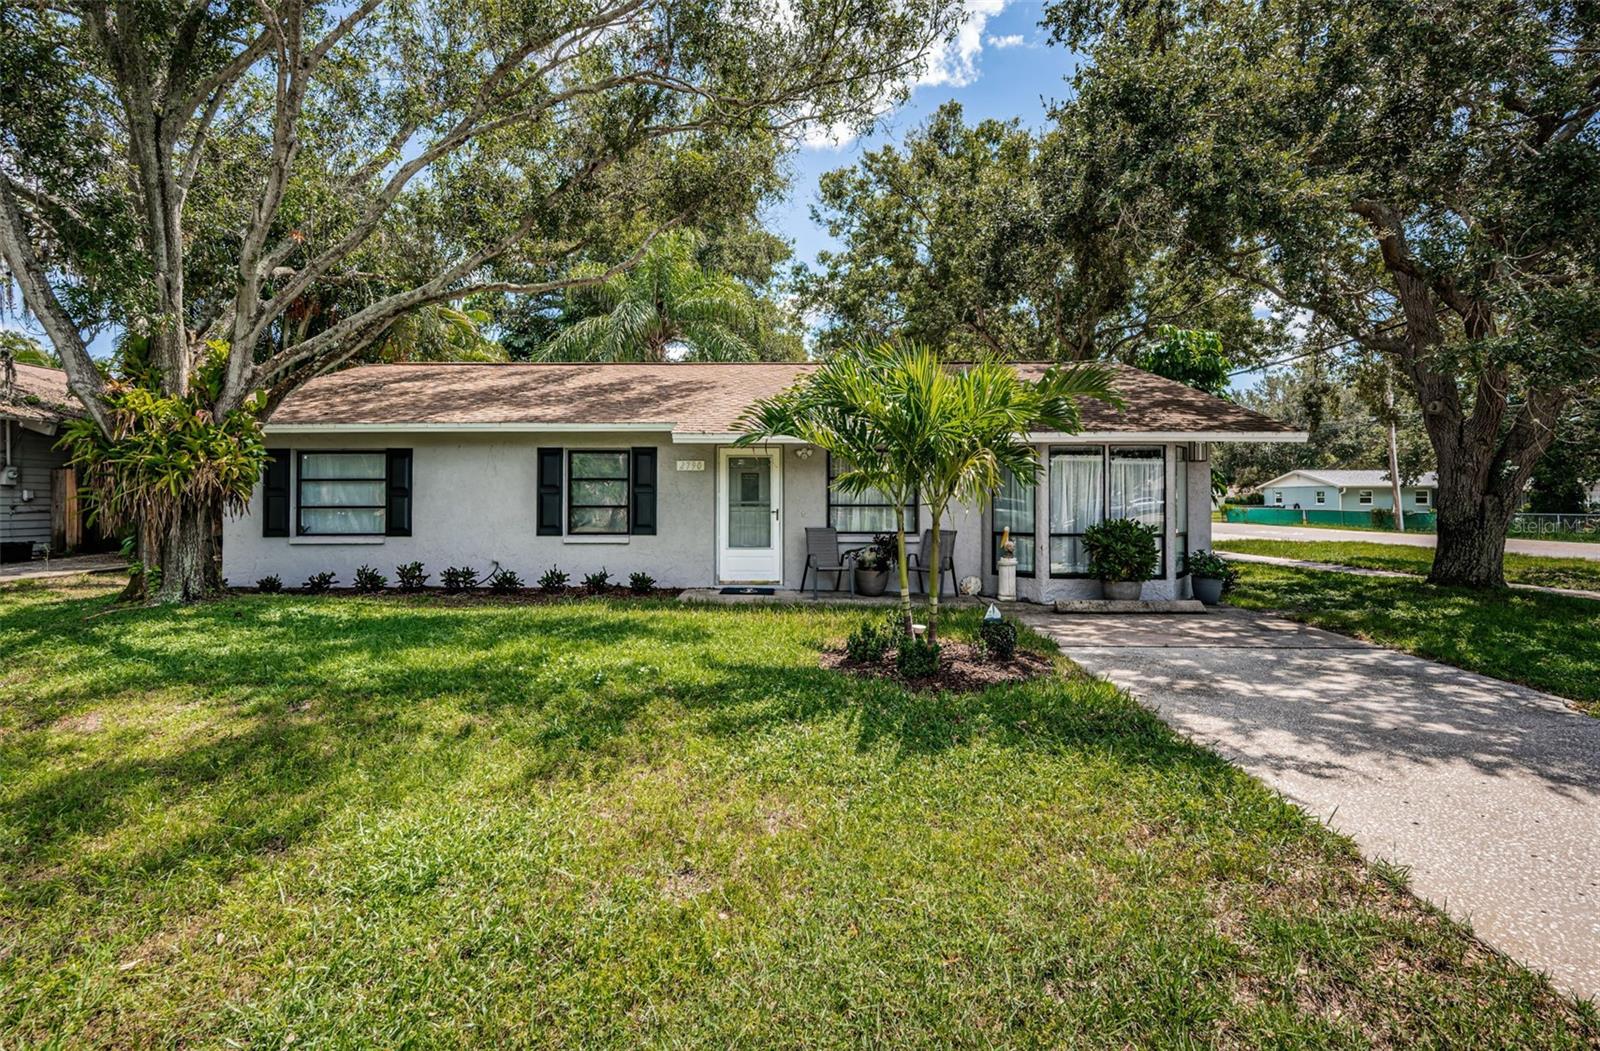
<point>28,519</point>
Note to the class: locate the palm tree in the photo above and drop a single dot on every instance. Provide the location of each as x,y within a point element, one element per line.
<point>921,424</point>
<point>668,300</point>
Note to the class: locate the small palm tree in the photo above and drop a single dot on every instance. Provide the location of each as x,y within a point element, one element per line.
<point>667,301</point>
<point>917,423</point>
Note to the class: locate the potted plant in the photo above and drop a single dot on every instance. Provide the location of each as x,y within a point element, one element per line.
<point>1123,555</point>
<point>1211,575</point>
<point>874,563</point>
<point>1006,567</point>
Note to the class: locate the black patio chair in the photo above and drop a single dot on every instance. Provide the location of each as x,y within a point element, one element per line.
<point>824,555</point>
<point>918,565</point>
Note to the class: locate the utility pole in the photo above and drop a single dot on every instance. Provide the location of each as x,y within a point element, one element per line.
<point>1394,451</point>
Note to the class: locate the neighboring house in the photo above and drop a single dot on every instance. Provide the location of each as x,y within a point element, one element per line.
<point>39,507</point>
<point>1347,491</point>
<point>631,467</point>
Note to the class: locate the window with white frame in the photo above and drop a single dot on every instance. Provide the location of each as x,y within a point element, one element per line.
<point>1364,496</point>
<point>1322,496</point>
<point>597,493</point>
<point>1422,498</point>
<point>342,493</point>
<point>1277,497</point>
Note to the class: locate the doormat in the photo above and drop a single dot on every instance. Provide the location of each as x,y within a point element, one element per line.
<point>749,591</point>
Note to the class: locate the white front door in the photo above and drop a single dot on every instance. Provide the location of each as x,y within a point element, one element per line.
<point>750,516</point>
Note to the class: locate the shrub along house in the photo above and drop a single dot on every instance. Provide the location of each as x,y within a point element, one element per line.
<point>631,468</point>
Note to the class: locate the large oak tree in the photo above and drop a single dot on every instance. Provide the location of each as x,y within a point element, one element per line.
<point>1421,179</point>
<point>194,173</point>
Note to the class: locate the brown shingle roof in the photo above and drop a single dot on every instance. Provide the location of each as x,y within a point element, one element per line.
<point>39,395</point>
<point>687,399</point>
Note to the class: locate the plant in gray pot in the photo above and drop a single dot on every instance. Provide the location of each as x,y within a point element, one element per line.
<point>874,564</point>
<point>1123,555</point>
<point>1211,575</point>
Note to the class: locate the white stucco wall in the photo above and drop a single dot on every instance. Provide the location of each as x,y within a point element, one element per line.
<point>474,500</point>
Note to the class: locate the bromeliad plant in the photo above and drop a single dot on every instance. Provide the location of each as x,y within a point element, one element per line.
<point>919,424</point>
<point>165,463</point>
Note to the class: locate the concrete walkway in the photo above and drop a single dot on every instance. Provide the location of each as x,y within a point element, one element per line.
<point>1247,531</point>
<point>71,566</point>
<point>1488,792</point>
<point>1363,571</point>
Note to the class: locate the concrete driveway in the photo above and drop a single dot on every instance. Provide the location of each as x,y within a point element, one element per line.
<point>1488,792</point>
<point>1248,531</point>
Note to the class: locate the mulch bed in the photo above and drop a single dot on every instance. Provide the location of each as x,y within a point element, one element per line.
<point>468,596</point>
<point>960,670</point>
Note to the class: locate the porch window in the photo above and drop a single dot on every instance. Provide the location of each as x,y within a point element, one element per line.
<point>1077,501</point>
<point>865,512</point>
<point>1013,509</point>
<point>1180,485</point>
<point>342,493</point>
<point>1138,490</point>
<point>597,493</point>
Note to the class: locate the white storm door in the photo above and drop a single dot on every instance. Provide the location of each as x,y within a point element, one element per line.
<point>750,516</point>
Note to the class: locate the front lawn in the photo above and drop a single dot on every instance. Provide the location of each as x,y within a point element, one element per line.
<point>396,822</point>
<point>1580,573</point>
<point>1549,642</point>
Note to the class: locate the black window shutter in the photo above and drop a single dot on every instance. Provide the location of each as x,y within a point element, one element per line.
<point>275,494</point>
<point>644,491</point>
<point>549,519</point>
<point>397,518</point>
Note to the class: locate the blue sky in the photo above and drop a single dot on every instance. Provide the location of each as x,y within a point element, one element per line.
<point>1000,67</point>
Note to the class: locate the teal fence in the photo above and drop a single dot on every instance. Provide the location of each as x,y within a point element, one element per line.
<point>1421,522</point>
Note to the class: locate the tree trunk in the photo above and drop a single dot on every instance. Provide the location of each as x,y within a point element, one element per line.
<point>187,558</point>
<point>1472,526</point>
<point>905,572</point>
<point>933,586</point>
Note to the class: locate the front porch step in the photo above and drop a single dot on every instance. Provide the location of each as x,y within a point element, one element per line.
<point>1106,605</point>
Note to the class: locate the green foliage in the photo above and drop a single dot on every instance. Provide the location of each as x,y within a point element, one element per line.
<point>23,349</point>
<point>867,642</point>
<point>1382,518</point>
<point>667,303</point>
<point>989,238</point>
<point>1194,358</point>
<point>165,456</point>
<point>270,584</point>
<point>1213,566</point>
<point>1122,549</point>
<point>505,581</point>
<point>598,582</point>
<point>882,553</point>
<point>641,583</point>
<point>411,576</point>
<point>459,578</point>
<point>917,658</point>
<point>369,580</point>
<point>553,579</point>
<point>319,583</point>
<point>999,638</point>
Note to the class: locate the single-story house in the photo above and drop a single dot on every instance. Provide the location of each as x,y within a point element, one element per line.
<point>1319,490</point>
<point>632,467</point>
<point>39,507</point>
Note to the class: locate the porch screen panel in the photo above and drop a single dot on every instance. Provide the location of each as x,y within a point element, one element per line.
<point>865,512</point>
<point>343,493</point>
<point>1138,490</point>
<point>1013,509</point>
<point>1077,501</point>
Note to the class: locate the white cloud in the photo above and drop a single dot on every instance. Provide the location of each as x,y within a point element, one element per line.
<point>1009,40</point>
<point>953,63</point>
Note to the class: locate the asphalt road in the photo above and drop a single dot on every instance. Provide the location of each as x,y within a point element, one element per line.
<point>1243,531</point>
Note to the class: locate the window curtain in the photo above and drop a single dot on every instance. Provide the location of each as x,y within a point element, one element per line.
<point>1077,501</point>
<point>870,511</point>
<point>1138,489</point>
<point>1013,509</point>
<point>343,493</point>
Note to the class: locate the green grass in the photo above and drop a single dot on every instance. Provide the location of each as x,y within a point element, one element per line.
<point>1549,642</point>
<point>1580,573</point>
<point>366,822</point>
